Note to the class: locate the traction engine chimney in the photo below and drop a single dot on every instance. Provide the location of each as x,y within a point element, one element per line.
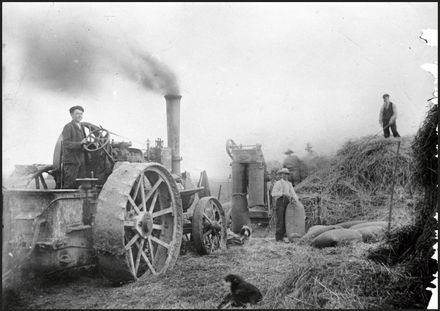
<point>173,130</point>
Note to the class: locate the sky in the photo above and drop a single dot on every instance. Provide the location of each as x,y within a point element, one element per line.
<point>278,74</point>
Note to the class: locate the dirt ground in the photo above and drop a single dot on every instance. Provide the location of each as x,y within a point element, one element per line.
<point>195,281</point>
<point>288,275</point>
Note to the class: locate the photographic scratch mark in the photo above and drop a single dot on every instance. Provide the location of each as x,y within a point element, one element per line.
<point>355,43</point>
<point>348,38</point>
<point>426,41</point>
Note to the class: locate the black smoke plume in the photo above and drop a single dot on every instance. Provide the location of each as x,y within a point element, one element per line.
<point>72,56</point>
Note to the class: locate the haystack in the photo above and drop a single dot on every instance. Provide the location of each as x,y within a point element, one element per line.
<point>411,247</point>
<point>358,178</point>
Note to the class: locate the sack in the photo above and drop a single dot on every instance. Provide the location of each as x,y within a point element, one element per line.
<point>369,224</point>
<point>315,231</point>
<point>313,228</point>
<point>295,221</point>
<point>336,237</point>
<point>371,234</point>
<point>348,224</point>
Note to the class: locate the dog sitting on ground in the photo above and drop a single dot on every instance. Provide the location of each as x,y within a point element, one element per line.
<point>241,294</point>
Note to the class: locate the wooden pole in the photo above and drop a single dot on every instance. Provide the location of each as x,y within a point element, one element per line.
<point>392,186</point>
<point>319,210</point>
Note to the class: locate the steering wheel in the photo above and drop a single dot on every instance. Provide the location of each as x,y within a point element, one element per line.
<point>230,144</point>
<point>97,137</point>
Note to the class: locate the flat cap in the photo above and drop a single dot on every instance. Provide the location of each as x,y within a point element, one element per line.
<point>283,171</point>
<point>72,109</point>
<point>289,151</point>
<point>385,95</point>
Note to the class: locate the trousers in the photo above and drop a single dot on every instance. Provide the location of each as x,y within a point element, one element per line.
<point>386,130</point>
<point>71,171</point>
<point>281,206</point>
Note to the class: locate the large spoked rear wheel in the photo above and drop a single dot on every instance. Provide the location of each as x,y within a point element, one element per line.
<point>139,222</point>
<point>209,226</point>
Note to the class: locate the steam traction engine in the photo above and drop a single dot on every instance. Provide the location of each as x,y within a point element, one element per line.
<point>128,217</point>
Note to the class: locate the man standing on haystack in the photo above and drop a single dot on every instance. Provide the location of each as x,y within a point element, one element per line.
<point>282,193</point>
<point>388,116</point>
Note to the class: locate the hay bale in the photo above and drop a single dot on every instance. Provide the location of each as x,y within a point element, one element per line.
<point>336,237</point>
<point>372,233</point>
<point>349,224</point>
<point>315,231</point>
<point>370,224</point>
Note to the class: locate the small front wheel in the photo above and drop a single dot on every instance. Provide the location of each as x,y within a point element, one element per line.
<point>209,226</point>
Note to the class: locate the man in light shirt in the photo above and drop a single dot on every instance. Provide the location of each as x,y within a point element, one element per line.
<point>282,194</point>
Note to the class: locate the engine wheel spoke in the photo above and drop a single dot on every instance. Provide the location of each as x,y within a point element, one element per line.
<point>153,203</point>
<point>135,207</point>
<point>152,191</point>
<point>160,242</point>
<point>157,227</point>
<point>207,233</point>
<point>207,218</point>
<point>136,191</point>
<point>144,201</point>
<point>150,246</point>
<point>138,257</point>
<point>130,258</point>
<point>162,212</point>
<point>148,263</point>
<point>132,241</point>
<point>129,223</point>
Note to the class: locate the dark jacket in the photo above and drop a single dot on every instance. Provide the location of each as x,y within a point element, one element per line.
<point>73,151</point>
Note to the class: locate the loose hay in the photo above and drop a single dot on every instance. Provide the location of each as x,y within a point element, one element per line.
<point>331,278</point>
<point>371,233</point>
<point>358,181</point>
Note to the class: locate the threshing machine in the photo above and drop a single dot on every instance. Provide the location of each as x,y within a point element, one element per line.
<point>250,191</point>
